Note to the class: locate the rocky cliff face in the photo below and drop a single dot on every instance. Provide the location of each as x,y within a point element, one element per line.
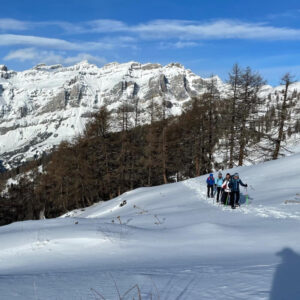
<point>42,106</point>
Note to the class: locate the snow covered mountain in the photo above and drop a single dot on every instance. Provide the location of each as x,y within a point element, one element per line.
<point>42,106</point>
<point>170,241</point>
<point>47,104</point>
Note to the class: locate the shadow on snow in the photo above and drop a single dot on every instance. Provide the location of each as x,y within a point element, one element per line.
<point>286,284</point>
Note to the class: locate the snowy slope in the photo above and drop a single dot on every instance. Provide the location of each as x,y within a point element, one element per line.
<point>170,240</point>
<point>42,106</point>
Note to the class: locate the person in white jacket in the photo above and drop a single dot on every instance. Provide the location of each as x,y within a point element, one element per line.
<point>226,190</point>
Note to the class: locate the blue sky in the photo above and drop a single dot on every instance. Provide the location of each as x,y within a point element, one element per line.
<point>207,37</point>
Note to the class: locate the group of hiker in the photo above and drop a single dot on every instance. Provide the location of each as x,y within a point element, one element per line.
<point>227,189</point>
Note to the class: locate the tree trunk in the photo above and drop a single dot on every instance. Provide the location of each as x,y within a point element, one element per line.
<point>164,155</point>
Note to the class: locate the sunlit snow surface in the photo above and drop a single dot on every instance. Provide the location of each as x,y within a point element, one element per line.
<point>170,240</point>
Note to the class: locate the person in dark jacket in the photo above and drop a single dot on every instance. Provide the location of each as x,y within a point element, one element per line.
<point>210,185</point>
<point>234,185</point>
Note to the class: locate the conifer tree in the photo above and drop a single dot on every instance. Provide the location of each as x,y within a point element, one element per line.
<point>286,80</point>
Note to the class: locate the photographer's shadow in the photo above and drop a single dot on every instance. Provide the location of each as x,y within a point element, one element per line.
<point>286,281</point>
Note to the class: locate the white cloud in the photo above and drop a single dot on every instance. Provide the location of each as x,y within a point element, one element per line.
<point>22,54</point>
<point>154,30</point>
<point>53,43</point>
<point>36,56</point>
<point>8,24</point>
<point>12,24</point>
<point>193,30</point>
<point>70,28</point>
<point>178,45</point>
<point>223,29</point>
<point>14,40</point>
<point>106,25</point>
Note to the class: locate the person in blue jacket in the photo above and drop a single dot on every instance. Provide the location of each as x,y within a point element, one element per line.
<point>210,185</point>
<point>219,182</point>
<point>234,185</point>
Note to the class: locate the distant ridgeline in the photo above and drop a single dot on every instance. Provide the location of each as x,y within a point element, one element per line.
<point>136,145</point>
<point>49,104</point>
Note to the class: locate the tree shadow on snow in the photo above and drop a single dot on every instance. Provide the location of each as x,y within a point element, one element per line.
<point>286,284</point>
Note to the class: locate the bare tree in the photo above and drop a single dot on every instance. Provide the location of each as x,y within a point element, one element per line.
<point>286,80</point>
<point>248,103</point>
<point>235,84</point>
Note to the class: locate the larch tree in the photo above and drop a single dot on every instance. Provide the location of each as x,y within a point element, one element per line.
<point>286,80</point>
<point>248,103</point>
<point>235,85</point>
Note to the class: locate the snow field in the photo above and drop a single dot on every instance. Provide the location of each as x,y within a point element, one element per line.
<point>170,240</point>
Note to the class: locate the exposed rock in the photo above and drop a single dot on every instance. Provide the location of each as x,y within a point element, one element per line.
<point>178,65</point>
<point>54,67</point>
<point>179,87</point>
<point>169,104</point>
<point>75,95</point>
<point>3,68</point>
<point>5,73</point>
<point>163,81</point>
<point>4,130</point>
<point>57,102</point>
<point>198,84</point>
<point>151,66</point>
<point>39,66</point>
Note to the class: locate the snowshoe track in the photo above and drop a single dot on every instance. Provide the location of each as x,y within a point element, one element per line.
<point>253,208</point>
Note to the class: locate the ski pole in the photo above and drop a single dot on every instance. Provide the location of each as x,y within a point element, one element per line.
<point>215,189</point>
<point>247,196</point>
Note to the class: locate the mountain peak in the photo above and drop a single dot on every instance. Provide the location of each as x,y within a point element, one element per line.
<point>175,64</point>
<point>48,104</point>
<point>85,63</point>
